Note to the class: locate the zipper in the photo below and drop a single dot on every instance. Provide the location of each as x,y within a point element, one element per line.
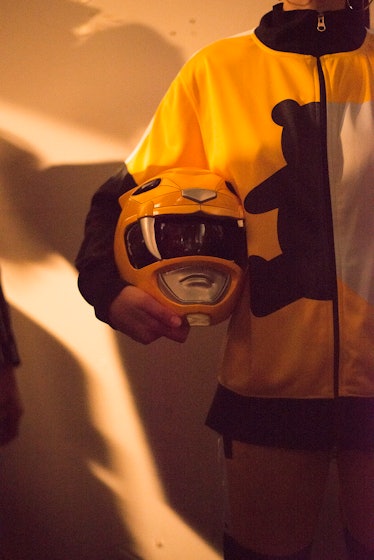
<point>330,228</point>
<point>321,25</point>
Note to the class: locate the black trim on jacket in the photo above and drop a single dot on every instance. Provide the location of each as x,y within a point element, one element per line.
<point>296,31</point>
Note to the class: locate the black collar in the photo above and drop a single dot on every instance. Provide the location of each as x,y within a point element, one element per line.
<point>296,31</point>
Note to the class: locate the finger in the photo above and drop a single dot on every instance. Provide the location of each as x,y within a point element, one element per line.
<point>160,321</point>
<point>140,316</point>
<point>161,313</point>
<point>150,329</point>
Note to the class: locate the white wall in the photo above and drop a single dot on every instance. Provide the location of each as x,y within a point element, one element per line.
<point>113,461</point>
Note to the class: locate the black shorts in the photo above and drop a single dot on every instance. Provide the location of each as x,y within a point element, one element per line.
<point>305,424</point>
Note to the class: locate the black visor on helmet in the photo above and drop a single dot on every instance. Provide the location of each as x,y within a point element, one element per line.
<point>177,235</point>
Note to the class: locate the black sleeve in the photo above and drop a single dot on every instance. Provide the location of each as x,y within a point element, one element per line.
<point>8,350</point>
<point>99,281</point>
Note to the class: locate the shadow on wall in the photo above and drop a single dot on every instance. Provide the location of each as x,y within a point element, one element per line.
<point>52,507</point>
<point>47,207</point>
<point>110,81</point>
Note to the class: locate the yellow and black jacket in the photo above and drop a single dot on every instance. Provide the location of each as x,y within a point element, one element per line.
<point>286,114</point>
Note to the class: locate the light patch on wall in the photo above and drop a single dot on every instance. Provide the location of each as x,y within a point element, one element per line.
<point>103,19</point>
<point>99,22</point>
<point>164,534</point>
<point>56,142</point>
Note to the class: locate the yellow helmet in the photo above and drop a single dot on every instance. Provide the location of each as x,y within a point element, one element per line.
<point>181,238</point>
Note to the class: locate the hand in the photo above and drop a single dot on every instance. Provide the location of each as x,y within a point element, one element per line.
<point>138,315</point>
<point>11,409</point>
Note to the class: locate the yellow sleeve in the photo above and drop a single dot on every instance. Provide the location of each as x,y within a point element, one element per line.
<point>172,139</point>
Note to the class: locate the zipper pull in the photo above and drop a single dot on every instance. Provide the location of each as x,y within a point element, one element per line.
<point>321,26</point>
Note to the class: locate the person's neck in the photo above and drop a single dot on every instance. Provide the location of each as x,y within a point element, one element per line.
<point>318,5</point>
